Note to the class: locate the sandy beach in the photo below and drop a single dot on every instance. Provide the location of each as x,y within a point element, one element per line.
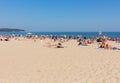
<point>31,62</point>
<point>59,41</point>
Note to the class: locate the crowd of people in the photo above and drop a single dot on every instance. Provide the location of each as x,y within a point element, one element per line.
<point>102,42</point>
<point>82,41</point>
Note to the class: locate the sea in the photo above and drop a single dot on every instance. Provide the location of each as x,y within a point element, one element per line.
<point>83,34</point>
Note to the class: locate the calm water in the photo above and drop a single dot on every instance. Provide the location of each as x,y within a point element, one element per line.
<point>84,34</point>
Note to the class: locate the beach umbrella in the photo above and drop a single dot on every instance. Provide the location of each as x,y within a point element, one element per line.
<point>100,33</point>
<point>29,33</point>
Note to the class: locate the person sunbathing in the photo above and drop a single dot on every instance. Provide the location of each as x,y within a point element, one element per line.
<point>49,44</point>
<point>83,42</point>
<point>108,46</point>
<point>59,45</point>
<point>80,42</point>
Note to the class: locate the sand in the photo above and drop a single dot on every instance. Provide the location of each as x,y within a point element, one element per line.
<point>30,62</point>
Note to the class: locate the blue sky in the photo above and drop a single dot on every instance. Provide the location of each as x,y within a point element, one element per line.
<point>60,15</point>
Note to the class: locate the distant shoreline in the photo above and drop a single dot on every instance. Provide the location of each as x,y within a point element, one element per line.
<point>11,30</point>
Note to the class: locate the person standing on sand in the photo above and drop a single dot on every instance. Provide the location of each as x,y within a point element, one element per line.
<point>35,38</point>
<point>41,39</point>
<point>103,39</point>
<point>46,36</point>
